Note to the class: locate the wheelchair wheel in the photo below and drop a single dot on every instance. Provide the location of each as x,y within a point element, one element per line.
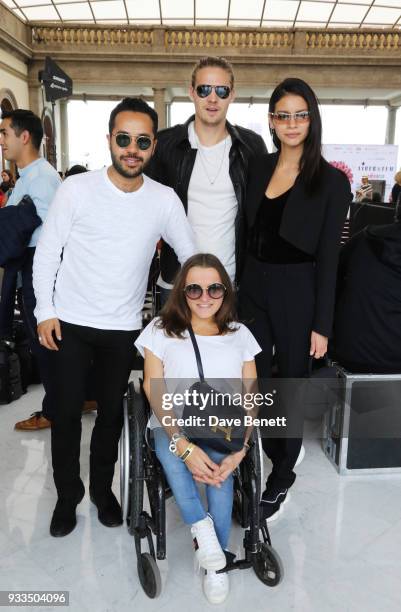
<point>267,565</point>
<point>237,514</point>
<point>259,463</point>
<point>138,425</point>
<point>149,575</point>
<point>124,452</point>
<point>248,481</point>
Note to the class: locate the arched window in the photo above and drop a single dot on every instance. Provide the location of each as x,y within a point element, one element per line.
<point>8,102</point>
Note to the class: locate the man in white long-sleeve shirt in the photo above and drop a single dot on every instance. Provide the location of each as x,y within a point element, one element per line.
<point>90,275</point>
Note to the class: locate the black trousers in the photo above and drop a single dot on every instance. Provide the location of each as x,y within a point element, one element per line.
<point>24,266</point>
<point>7,300</point>
<point>109,354</point>
<point>276,302</point>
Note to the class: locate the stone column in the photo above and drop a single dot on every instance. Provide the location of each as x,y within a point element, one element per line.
<point>390,127</point>
<point>169,114</point>
<point>64,145</point>
<point>35,99</point>
<point>159,98</point>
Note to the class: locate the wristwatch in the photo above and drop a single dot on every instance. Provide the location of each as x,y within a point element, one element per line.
<point>173,442</point>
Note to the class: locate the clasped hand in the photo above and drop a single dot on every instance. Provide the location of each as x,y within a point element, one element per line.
<point>203,469</point>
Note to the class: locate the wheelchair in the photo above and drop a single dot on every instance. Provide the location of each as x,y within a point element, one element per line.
<point>139,465</point>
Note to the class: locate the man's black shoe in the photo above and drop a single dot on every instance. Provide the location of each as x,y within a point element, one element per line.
<point>64,518</point>
<point>63,521</point>
<point>108,509</point>
<point>272,499</point>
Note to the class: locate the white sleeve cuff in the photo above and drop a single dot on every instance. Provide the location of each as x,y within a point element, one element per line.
<point>43,314</point>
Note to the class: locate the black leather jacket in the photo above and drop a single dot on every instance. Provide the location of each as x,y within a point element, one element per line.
<point>172,165</point>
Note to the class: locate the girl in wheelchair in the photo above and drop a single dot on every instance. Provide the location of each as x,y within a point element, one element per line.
<point>203,298</point>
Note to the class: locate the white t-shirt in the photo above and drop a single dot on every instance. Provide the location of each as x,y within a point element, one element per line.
<point>222,356</point>
<point>212,209</point>
<point>107,238</point>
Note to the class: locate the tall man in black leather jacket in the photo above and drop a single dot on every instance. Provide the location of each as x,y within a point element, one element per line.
<point>206,162</point>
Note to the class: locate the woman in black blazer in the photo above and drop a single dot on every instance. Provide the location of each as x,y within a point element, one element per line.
<point>295,210</point>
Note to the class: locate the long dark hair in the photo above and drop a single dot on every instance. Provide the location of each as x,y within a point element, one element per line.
<point>10,181</point>
<point>175,316</point>
<point>311,162</point>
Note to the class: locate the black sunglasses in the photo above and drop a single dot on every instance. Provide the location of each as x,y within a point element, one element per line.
<point>124,140</point>
<point>214,291</point>
<point>223,91</point>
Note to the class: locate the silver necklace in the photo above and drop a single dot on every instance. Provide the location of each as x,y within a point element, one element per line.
<point>204,160</point>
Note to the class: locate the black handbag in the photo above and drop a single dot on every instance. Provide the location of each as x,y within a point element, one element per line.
<point>228,434</point>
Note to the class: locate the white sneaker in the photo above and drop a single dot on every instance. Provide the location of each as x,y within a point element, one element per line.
<point>216,587</point>
<point>279,512</point>
<point>208,551</point>
<point>300,456</point>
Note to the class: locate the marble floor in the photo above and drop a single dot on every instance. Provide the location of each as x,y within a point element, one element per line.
<point>339,539</point>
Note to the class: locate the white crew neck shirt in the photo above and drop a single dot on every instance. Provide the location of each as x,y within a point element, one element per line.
<point>222,356</point>
<point>107,239</point>
<point>212,208</point>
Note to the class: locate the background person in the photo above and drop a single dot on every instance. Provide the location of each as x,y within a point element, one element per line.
<point>21,135</point>
<point>76,169</point>
<point>296,207</point>
<point>38,420</point>
<point>365,191</point>
<point>203,297</point>
<point>6,186</point>
<point>396,190</point>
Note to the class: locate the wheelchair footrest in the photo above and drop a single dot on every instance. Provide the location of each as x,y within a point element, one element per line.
<point>231,564</point>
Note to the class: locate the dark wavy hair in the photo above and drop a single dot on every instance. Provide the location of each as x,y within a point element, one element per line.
<point>311,164</point>
<point>10,177</point>
<point>175,316</point>
<point>135,105</point>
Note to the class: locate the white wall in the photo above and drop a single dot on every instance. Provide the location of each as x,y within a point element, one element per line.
<point>9,66</point>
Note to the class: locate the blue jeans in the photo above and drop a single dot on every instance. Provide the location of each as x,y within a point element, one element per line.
<point>186,493</point>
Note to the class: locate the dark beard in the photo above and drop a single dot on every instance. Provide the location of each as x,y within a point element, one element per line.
<point>127,174</point>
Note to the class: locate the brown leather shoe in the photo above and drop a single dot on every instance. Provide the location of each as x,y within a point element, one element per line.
<point>38,421</point>
<point>35,421</point>
<point>89,406</point>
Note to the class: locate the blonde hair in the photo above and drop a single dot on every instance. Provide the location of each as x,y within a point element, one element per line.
<point>213,62</point>
<point>397,177</point>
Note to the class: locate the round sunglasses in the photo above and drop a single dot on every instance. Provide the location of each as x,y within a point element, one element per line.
<point>124,140</point>
<point>214,291</point>
<point>222,91</point>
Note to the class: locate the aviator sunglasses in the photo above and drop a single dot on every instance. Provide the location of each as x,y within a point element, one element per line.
<point>214,291</point>
<point>283,117</point>
<point>124,140</point>
<point>222,91</point>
